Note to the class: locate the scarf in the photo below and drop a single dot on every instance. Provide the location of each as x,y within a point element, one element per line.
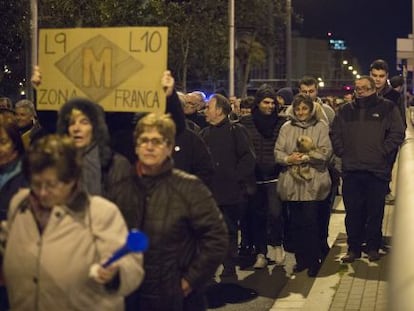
<point>265,124</point>
<point>364,102</point>
<point>9,170</point>
<point>91,171</point>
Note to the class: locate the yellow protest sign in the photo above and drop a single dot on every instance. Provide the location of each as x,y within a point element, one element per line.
<point>118,68</point>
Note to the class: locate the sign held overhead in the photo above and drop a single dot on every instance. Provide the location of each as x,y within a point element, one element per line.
<point>118,68</point>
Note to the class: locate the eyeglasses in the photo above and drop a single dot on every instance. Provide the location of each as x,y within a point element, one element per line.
<point>155,141</point>
<point>46,185</point>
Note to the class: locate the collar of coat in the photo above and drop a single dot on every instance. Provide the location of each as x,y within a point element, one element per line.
<point>77,203</point>
<point>368,101</point>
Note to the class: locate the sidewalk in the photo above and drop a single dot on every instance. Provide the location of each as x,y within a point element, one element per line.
<point>361,285</point>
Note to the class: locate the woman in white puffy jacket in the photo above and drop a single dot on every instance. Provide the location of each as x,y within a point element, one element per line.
<point>302,198</point>
<point>56,232</point>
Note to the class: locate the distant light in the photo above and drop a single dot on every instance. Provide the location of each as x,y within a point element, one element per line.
<point>319,79</point>
<point>329,34</point>
<point>22,92</point>
<point>347,88</point>
<point>345,62</point>
<point>337,44</point>
<point>354,72</point>
<point>358,76</point>
<point>321,84</point>
<point>350,68</point>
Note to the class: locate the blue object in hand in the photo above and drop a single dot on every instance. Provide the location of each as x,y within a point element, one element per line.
<point>136,241</point>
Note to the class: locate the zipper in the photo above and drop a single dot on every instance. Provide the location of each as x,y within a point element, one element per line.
<point>36,277</point>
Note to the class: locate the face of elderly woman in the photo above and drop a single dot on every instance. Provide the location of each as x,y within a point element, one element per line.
<point>80,129</point>
<point>152,149</point>
<point>49,190</point>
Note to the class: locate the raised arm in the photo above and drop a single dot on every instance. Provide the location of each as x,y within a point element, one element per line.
<point>173,102</point>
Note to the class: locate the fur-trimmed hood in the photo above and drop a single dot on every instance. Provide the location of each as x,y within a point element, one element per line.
<point>96,115</point>
<point>317,114</point>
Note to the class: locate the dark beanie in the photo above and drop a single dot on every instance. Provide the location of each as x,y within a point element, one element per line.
<point>264,91</point>
<point>397,81</point>
<point>287,94</point>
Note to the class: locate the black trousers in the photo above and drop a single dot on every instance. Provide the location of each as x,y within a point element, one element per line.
<point>232,215</point>
<point>364,199</point>
<point>303,231</point>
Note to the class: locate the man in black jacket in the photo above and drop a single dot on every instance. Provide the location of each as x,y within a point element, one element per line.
<point>366,133</point>
<point>379,72</point>
<point>234,164</point>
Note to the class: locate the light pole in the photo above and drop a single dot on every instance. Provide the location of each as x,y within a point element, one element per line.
<point>289,43</point>
<point>34,36</point>
<point>231,47</point>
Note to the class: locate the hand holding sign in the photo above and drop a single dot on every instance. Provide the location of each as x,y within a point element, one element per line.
<point>36,78</point>
<point>167,82</point>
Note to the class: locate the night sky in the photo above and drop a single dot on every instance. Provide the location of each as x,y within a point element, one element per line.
<point>369,27</point>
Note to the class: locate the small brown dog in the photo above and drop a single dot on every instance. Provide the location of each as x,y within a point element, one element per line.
<point>302,172</point>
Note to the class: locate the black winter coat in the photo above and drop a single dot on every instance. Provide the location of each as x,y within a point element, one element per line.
<point>233,161</point>
<point>9,189</point>
<point>366,134</point>
<point>266,167</point>
<point>192,156</point>
<point>188,237</point>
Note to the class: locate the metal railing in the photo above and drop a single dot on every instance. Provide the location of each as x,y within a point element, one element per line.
<point>401,285</point>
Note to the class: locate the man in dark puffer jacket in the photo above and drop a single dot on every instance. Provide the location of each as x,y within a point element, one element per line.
<point>366,134</point>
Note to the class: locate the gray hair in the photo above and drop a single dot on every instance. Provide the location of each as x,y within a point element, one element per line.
<point>25,103</point>
<point>370,80</point>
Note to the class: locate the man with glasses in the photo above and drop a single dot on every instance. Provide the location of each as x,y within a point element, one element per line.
<point>366,133</point>
<point>193,103</point>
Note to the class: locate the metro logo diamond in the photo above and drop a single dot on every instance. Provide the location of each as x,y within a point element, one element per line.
<point>103,64</point>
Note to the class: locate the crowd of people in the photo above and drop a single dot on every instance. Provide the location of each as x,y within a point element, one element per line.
<point>211,181</point>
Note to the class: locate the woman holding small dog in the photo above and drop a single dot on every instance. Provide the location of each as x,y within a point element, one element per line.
<point>302,196</point>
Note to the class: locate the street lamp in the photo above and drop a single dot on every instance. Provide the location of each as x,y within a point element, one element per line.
<point>34,28</point>
<point>320,82</point>
<point>231,47</point>
<point>289,42</point>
